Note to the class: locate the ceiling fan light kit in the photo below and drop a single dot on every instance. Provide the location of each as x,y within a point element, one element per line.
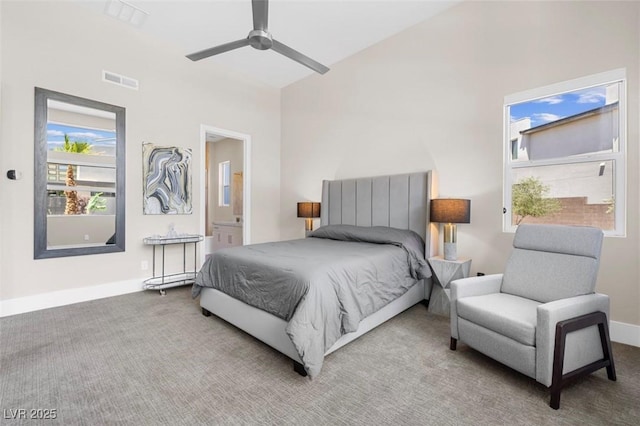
<point>260,38</point>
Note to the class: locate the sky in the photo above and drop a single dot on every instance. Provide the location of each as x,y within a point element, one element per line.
<point>552,108</point>
<point>101,140</point>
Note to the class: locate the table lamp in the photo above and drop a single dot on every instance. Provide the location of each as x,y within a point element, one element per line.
<point>308,210</point>
<point>450,211</point>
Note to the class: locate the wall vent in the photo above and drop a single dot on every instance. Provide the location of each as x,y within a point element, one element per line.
<point>120,80</point>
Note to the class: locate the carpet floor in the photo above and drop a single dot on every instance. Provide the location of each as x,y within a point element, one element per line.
<point>145,359</point>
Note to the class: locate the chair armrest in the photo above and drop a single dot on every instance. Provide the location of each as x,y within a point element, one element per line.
<point>472,286</point>
<point>475,286</point>
<point>549,314</point>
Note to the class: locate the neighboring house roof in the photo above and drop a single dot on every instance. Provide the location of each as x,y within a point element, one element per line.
<point>571,118</point>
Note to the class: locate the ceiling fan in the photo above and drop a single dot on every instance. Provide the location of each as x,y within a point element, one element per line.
<point>260,38</point>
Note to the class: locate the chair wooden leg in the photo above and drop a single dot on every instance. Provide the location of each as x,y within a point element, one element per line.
<point>453,343</point>
<point>559,380</point>
<point>603,328</point>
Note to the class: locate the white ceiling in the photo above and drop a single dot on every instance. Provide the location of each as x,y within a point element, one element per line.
<point>325,30</point>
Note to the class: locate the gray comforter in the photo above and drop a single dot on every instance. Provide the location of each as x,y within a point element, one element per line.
<point>324,285</point>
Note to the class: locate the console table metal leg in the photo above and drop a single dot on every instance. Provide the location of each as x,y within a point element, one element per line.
<point>184,258</point>
<point>153,263</point>
<point>162,291</point>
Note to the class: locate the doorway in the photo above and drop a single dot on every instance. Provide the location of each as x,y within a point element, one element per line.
<point>225,189</point>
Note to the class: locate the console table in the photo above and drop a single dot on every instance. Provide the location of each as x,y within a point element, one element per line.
<point>164,280</point>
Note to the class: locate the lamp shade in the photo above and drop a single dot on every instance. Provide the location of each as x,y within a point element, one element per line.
<point>308,209</point>
<point>450,210</point>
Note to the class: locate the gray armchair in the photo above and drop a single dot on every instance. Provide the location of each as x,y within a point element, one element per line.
<point>541,317</point>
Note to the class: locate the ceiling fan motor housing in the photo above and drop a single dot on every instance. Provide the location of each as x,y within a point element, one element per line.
<point>260,39</point>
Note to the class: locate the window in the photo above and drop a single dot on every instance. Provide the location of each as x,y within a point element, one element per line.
<point>564,154</point>
<point>224,195</point>
<point>514,149</point>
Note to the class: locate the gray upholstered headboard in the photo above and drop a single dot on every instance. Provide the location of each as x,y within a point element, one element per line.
<point>398,201</point>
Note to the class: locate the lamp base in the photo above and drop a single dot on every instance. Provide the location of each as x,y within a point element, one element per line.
<point>450,239</point>
<point>450,251</point>
<point>308,224</point>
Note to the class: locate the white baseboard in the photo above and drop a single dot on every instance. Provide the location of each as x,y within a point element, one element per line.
<point>621,332</point>
<point>53,299</point>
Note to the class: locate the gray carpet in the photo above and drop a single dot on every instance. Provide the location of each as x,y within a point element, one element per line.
<point>145,359</point>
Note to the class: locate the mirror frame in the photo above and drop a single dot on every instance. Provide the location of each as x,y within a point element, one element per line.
<point>40,177</point>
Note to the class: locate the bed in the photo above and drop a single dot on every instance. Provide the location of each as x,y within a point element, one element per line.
<point>307,298</point>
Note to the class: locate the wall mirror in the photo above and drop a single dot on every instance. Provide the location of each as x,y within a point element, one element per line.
<point>79,176</point>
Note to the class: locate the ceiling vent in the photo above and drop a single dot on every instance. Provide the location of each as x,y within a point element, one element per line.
<point>120,80</point>
<point>126,12</point>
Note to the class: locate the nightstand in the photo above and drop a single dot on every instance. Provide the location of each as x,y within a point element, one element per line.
<point>445,271</point>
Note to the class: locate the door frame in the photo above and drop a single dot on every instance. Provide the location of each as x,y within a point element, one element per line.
<point>246,180</point>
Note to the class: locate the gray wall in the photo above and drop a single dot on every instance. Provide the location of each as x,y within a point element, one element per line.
<point>431,97</point>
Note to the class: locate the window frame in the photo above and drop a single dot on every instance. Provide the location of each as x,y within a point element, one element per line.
<point>619,158</point>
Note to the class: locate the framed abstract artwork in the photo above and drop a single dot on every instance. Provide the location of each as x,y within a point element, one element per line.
<point>166,179</point>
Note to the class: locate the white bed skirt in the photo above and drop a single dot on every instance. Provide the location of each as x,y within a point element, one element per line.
<point>271,330</point>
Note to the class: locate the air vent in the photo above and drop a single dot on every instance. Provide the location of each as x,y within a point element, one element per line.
<point>120,80</point>
<point>126,12</point>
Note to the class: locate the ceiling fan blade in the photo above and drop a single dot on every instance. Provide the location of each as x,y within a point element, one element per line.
<point>298,57</point>
<point>260,14</point>
<point>218,49</point>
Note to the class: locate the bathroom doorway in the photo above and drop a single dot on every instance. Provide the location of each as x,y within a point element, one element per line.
<point>225,189</point>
